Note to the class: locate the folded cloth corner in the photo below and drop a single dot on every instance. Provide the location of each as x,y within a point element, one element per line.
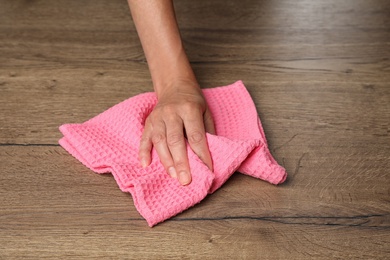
<point>109,142</point>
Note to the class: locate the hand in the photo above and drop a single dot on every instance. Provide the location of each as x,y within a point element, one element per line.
<point>180,112</point>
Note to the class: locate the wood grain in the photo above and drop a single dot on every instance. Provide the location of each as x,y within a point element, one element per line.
<point>318,72</point>
<point>62,209</point>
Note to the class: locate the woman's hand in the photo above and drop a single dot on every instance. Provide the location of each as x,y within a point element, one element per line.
<point>181,113</point>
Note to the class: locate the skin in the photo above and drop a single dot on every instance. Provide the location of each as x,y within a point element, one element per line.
<point>181,112</point>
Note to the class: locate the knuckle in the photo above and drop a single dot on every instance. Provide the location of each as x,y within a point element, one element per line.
<point>169,109</point>
<point>175,139</point>
<point>190,107</point>
<point>158,138</point>
<point>166,109</point>
<point>145,139</point>
<point>195,137</point>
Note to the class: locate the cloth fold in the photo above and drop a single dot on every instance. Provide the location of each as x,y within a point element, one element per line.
<point>109,143</point>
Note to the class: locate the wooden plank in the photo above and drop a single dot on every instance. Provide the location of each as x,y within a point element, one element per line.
<point>284,14</point>
<point>217,14</point>
<point>222,239</point>
<point>121,47</point>
<point>34,108</point>
<point>132,75</point>
<point>52,205</point>
<point>324,183</point>
<point>265,31</point>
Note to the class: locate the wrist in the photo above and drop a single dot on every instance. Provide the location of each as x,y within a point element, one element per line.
<point>174,76</point>
<point>176,86</point>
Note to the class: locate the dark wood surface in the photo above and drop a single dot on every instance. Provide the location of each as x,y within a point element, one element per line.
<point>319,74</point>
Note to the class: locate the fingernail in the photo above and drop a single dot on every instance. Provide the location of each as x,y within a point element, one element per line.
<point>210,166</point>
<point>172,172</point>
<point>144,163</point>
<point>184,178</point>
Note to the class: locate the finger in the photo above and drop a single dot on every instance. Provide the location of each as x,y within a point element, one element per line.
<point>145,147</point>
<point>160,144</point>
<point>178,149</point>
<point>209,122</point>
<point>196,136</point>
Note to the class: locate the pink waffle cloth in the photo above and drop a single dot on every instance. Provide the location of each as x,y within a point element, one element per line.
<point>109,143</point>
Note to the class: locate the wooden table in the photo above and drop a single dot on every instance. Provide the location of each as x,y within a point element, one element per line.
<point>318,71</point>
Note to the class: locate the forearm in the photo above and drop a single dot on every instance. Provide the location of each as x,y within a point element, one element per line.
<point>160,38</point>
<point>181,110</point>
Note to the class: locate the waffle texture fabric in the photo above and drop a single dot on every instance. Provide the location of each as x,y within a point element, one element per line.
<point>109,143</point>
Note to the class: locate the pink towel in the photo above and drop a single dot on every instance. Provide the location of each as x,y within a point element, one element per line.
<point>109,143</point>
